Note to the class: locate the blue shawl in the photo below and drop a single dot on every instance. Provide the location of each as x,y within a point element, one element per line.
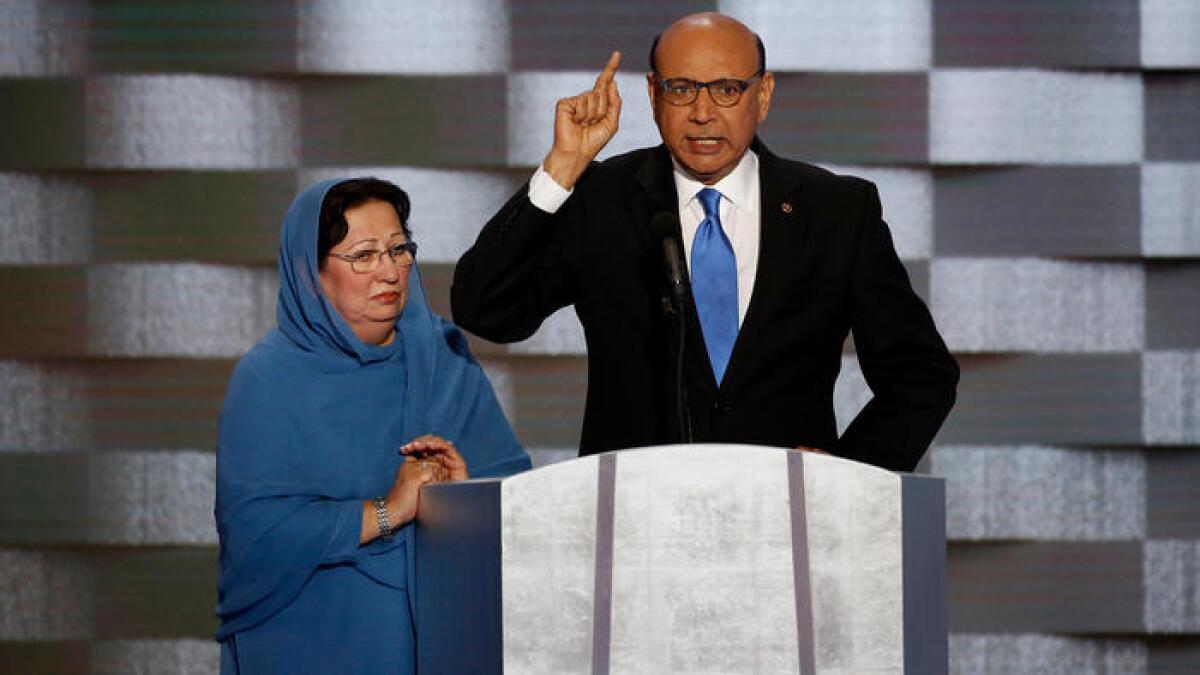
<point>312,421</point>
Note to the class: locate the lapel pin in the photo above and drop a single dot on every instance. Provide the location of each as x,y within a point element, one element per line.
<point>786,206</point>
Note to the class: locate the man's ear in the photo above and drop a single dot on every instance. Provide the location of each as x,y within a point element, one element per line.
<point>766,85</point>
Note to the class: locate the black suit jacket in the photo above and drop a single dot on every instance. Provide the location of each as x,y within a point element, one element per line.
<point>826,267</point>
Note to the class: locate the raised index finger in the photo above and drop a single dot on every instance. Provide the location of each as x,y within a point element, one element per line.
<point>609,72</point>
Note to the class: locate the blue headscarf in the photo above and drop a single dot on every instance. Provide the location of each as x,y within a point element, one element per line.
<point>311,425</point>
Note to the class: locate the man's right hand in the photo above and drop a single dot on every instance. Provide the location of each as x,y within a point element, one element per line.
<point>583,125</point>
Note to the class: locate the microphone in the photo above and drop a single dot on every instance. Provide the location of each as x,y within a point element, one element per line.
<point>664,225</point>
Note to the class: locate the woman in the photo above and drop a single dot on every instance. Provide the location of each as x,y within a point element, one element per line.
<point>330,427</point>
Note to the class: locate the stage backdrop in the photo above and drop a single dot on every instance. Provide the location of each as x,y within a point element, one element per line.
<point>1039,163</point>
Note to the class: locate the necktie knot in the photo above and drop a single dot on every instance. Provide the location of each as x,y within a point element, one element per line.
<point>710,199</point>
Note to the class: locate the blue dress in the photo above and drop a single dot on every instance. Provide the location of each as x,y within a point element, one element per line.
<point>311,426</point>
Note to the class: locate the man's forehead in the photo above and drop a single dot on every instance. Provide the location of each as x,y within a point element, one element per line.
<point>707,44</point>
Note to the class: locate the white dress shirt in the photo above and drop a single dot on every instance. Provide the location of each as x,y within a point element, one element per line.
<point>740,214</point>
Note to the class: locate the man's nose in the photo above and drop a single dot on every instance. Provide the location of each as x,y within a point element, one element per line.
<point>702,107</point>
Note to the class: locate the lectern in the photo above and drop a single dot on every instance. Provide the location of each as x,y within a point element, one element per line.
<point>684,559</point>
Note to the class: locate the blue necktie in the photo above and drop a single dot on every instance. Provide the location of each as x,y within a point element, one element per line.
<point>714,283</point>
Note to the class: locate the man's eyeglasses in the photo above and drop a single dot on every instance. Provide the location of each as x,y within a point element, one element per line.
<point>362,262</point>
<point>725,92</point>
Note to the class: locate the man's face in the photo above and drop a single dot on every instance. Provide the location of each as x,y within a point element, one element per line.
<point>707,139</point>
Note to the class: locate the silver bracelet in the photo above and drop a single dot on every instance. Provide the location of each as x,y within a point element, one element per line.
<point>381,514</point>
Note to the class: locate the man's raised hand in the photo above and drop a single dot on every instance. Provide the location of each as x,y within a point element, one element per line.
<point>583,125</point>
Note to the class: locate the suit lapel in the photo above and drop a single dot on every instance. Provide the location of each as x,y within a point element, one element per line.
<point>783,233</point>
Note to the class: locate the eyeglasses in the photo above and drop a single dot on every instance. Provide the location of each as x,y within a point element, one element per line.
<point>724,92</point>
<point>362,262</point>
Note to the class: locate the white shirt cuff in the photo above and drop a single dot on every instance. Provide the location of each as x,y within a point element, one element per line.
<point>546,194</point>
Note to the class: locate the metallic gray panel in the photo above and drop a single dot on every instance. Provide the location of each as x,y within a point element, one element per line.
<point>1173,305</point>
<point>836,35</point>
<point>531,103</point>
<point>907,198</point>
<point>1037,305</point>
<point>195,310</point>
<point>47,220</point>
<point>226,36</point>
<point>560,334</point>
<point>152,498</point>
<point>848,118</point>
<point>1172,510</point>
<point>1169,30</point>
<point>1047,400</point>
<point>1172,585</point>
<point>43,596</point>
<point>1171,208</point>
<point>1035,33</point>
<point>1172,116</point>
<point>1046,654</point>
<point>1045,587</point>
<point>419,121</point>
<point>449,208</point>
<point>191,122</point>
<point>376,36</point>
<point>1076,118</point>
<point>548,531</point>
<point>926,624</point>
<point>1030,492</point>
<point>1037,211</point>
<point>147,657</point>
<point>42,37</point>
<point>42,408</point>
<point>1171,397</point>
<point>579,35</point>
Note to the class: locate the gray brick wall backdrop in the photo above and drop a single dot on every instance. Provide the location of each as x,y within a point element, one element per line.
<point>1039,162</point>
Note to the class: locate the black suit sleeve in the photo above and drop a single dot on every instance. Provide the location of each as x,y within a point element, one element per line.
<point>911,374</point>
<point>519,271</point>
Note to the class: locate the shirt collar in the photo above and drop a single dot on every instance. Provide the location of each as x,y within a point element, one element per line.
<point>737,187</point>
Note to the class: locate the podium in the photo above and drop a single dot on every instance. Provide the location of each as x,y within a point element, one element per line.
<point>684,559</point>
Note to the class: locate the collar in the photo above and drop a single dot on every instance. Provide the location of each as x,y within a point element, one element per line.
<point>737,187</point>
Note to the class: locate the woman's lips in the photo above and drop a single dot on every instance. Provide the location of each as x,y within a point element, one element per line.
<point>388,297</point>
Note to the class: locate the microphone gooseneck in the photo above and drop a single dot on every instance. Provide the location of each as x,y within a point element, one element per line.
<point>665,225</point>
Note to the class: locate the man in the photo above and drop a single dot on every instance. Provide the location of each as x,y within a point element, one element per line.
<point>785,259</point>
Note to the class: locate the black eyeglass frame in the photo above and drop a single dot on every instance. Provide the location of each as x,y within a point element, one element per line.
<point>373,262</point>
<point>664,84</point>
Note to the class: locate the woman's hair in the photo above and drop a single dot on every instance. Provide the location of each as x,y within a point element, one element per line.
<point>347,195</point>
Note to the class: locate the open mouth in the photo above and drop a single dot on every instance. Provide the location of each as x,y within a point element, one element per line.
<point>704,143</point>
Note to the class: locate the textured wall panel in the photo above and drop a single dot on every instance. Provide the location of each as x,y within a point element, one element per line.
<point>1035,33</point>
<point>549,400</point>
<point>1173,116</point>
<point>1046,211</point>
<point>1172,586</point>
<point>1028,492</point>
<point>41,409</point>
<point>1171,396</point>
<point>1171,209</point>
<point>449,208</point>
<point>1078,588</point>
<point>1005,116</point>
<point>196,310</point>
<point>43,596</point>
<point>43,37</point>
<point>1038,305</point>
<point>191,122</point>
<point>1173,305</point>
<point>850,118</point>
<point>531,104</point>
<point>1045,654</point>
<point>907,199</point>
<point>1172,510</point>
<point>503,378</point>
<point>1169,30</point>
<point>175,598</point>
<point>147,657</point>
<point>858,35</point>
<point>418,121</point>
<point>378,36</point>
<point>579,34</point>
<point>227,36</point>
<point>560,334</point>
<point>1047,400</point>
<point>41,122</point>
<point>47,220</point>
<point>152,498</point>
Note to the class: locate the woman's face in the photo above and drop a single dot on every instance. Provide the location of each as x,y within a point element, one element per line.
<point>370,301</point>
